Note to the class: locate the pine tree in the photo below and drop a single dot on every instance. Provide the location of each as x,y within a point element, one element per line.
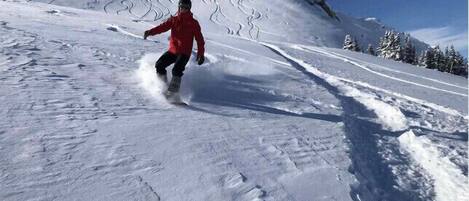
<point>396,47</point>
<point>390,46</point>
<point>460,59</point>
<point>465,70</point>
<point>351,44</point>
<point>421,59</point>
<point>370,50</point>
<point>460,66</point>
<point>383,47</point>
<point>428,58</point>
<point>409,53</point>
<point>444,62</point>
<point>451,59</point>
<point>439,59</point>
<point>415,56</point>
<point>356,46</point>
<point>348,42</point>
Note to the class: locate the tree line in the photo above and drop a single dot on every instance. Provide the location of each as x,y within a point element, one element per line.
<point>391,47</point>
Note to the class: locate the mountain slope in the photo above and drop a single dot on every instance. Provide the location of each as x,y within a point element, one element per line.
<point>270,119</point>
<point>292,20</point>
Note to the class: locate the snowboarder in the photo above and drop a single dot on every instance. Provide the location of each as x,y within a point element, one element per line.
<point>184,28</point>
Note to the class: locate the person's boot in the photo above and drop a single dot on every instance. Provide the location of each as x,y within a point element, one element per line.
<point>174,85</point>
<point>162,77</point>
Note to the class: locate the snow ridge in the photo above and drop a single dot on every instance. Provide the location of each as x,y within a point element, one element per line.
<point>450,183</point>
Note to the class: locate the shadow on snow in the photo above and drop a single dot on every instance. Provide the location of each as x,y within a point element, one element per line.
<point>241,92</point>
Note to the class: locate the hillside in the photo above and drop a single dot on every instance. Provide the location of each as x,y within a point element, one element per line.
<point>290,20</point>
<point>277,112</point>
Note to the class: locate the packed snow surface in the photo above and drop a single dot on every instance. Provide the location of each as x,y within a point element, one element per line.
<point>275,113</point>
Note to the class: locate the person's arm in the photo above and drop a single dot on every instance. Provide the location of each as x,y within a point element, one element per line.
<point>200,43</point>
<point>164,27</point>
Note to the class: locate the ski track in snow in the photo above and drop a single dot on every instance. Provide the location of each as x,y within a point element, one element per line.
<point>381,74</point>
<point>391,117</point>
<point>415,100</point>
<point>84,124</point>
<point>140,10</point>
<point>450,184</point>
<point>400,72</point>
<point>161,11</point>
<point>384,112</point>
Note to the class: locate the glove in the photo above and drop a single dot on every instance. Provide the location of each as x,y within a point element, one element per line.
<point>146,34</point>
<point>200,60</point>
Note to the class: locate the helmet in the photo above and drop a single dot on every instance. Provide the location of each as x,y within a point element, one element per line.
<point>185,4</point>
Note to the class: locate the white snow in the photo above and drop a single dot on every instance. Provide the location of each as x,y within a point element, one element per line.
<point>345,59</point>
<point>373,19</point>
<point>275,113</point>
<point>390,117</point>
<point>437,107</point>
<point>450,184</point>
<point>147,76</point>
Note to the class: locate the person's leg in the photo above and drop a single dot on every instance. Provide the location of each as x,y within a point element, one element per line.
<point>164,61</point>
<point>179,67</point>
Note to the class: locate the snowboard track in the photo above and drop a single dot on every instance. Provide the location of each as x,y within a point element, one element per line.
<point>375,176</point>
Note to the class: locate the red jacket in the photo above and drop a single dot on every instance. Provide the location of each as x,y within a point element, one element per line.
<point>183,30</point>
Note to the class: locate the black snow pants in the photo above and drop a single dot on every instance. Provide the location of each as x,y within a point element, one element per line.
<point>180,61</point>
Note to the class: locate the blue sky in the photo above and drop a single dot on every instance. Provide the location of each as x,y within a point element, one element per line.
<point>442,22</point>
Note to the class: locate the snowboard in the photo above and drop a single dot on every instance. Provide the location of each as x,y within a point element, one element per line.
<point>174,99</point>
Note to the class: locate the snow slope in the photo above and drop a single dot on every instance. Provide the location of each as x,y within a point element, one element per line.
<point>287,20</point>
<point>272,115</point>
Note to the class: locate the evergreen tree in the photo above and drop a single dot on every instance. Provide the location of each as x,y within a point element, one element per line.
<point>421,59</point>
<point>446,60</point>
<point>409,53</point>
<point>451,59</point>
<point>415,56</point>
<point>348,42</point>
<point>462,70</point>
<point>460,61</point>
<point>428,58</point>
<point>390,46</point>
<point>370,50</point>
<point>438,59</point>
<point>383,47</point>
<point>396,47</point>
<point>356,47</point>
<point>351,44</point>
<point>460,66</point>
